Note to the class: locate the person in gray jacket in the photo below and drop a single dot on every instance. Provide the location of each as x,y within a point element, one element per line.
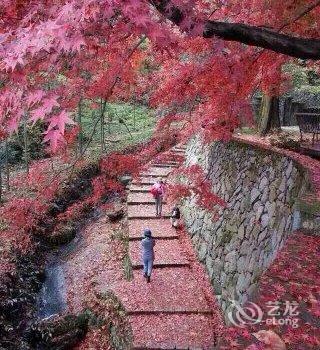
<point>147,245</point>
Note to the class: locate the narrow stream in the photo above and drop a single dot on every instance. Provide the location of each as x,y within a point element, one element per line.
<point>52,296</point>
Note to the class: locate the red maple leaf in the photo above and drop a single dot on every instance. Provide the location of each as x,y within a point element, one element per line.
<point>54,137</point>
<point>60,122</point>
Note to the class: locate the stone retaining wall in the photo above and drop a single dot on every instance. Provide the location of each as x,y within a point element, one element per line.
<point>260,189</point>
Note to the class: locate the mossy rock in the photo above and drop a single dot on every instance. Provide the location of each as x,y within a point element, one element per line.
<point>62,235</point>
<point>115,215</point>
<point>226,237</point>
<point>58,333</point>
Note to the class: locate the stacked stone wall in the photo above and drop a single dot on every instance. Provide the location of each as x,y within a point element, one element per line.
<point>261,190</point>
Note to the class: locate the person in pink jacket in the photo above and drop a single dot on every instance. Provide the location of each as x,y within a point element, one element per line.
<point>158,190</point>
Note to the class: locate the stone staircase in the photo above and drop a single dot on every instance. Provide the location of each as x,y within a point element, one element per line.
<point>173,311</point>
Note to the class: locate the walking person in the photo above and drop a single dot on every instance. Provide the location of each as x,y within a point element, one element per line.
<point>175,217</point>
<point>158,190</point>
<point>147,245</point>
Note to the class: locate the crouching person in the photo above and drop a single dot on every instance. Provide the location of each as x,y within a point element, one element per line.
<point>175,217</point>
<point>147,244</point>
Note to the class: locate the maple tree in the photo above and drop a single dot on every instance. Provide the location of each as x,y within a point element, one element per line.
<point>51,55</point>
<point>54,55</point>
<point>185,56</point>
<point>200,61</point>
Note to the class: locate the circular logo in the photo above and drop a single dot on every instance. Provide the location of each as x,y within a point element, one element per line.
<point>239,315</point>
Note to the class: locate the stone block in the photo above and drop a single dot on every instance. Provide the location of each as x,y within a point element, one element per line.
<point>264,220</point>
<point>202,251</point>
<point>209,263</point>
<point>265,195</point>
<point>241,232</point>
<point>254,195</point>
<point>245,248</point>
<point>252,290</point>
<point>223,278</point>
<point>263,234</point>
<point>282,226</point>
<point>242,283</point>
<point>283,184</point>
<point>259,211</point>
<point>273,192</point>
<point>263,184</point>
<point>241,264</point>
<point>289,169</point>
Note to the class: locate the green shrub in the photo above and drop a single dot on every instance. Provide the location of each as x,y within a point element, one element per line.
<point>36,149</point>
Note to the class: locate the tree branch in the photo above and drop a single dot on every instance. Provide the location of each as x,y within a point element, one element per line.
<point>293,46</point>
<point>264,38</point>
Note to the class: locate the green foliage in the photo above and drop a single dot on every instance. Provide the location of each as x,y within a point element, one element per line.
<point>310,89</point>
<point>121,236</point>
<point>124,124</point>
<point>286,141</point>
<point>248,131</point>
<point>36,149</point>
<point>298,73</point>
<point>302,77</point>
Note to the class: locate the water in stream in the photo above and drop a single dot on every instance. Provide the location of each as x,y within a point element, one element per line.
<point>52,296</point>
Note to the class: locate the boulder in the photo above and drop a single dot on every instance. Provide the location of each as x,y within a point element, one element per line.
<point>125,179</point>
<point>115,215</point>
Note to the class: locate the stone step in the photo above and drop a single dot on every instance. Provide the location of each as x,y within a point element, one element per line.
<point>146,211</point>
<point>167,253</point>
<point>175,236</point>
<point>157,172</point>
<point>139,188</point>
<point>165,165</point>
<point>149,174</point>
<point>181,145</point>
<point>160,296</point>
<point>141,198</point>
<point>169,158</point>
<point>168,332</point>
<point>147,216</point>
<point>161,265</point>
<point>144,181</point>
<point>178,150</point>
<point>163,161</point>
<point>160,228</point>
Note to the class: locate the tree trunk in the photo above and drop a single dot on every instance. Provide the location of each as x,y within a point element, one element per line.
<point>102,133</point>
<point>134,116</point>
<point>80,142</point>
<point>269,115</point>
<point>7,164</point>
<point>109,122</point>
<point>25,141</point>
<point>287,111</point>
<point>0,182</point>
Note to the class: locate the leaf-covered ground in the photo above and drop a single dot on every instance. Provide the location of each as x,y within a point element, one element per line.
<point>178,307</point>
